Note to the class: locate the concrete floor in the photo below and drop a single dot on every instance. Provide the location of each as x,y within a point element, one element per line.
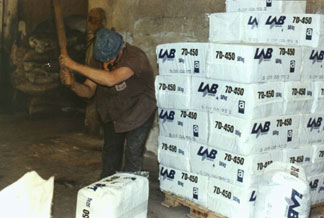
<point>57,146</point>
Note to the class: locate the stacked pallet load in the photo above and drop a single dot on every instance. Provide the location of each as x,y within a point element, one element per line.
<point>230,107</point>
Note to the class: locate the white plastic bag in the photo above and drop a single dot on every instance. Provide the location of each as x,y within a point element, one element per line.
<point>283,192</point>
<point>28,197</point>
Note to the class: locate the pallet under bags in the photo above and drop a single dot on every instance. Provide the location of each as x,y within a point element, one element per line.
<point>185,184</point>
<point>283,192</point>
<point>265,27</point>
<point>245,63</point>
<point>237,99</point>
<point>117,196</point>
<point>184,124</point>
<point>182,58</point>
<point>251,136</point>
<point>282,6</point>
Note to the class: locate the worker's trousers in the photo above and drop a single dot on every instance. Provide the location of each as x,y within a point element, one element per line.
<point>132,142</point>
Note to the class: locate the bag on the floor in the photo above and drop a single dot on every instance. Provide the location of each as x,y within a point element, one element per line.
<point>283,192</point>
<point>29,197</point>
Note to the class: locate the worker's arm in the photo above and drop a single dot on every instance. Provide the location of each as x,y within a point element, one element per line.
<point>86,89</point>
<point>99,76</point>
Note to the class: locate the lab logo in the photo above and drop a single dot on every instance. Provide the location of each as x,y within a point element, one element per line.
<point>195,192</point>
<point>164,115</point>
<point>206,154</point>
<point>195,130</point>
<point>259,129</point>
<point>208,89</point>
<point>269,3</point>
<point>274,21</point>
<point>293,202</point>
<point>167,55</point>
<point>241,107</point>
<point>263,55</point>
<point>292,66</point>
<point>196,67</point>
<point>94,188</point>
<point>253,196</point>
<point>313,184</point>
<point>240,175</point>
<point>309,33</point>
<point>166,174</point>
<point>317,56</point>
<point>253,22</point>
<point>314,123</point>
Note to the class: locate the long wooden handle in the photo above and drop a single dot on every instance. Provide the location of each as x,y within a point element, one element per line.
<point>61,34</point>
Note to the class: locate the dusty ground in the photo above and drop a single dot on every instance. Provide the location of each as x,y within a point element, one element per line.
<point>57,146</point>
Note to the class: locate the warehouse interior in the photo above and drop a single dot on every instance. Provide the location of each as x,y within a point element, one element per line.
<point>46,128</point>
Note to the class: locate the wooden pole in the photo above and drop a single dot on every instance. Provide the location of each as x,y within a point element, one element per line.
<point>61,35</point>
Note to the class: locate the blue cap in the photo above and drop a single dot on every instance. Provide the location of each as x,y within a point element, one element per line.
<point>107,45</point>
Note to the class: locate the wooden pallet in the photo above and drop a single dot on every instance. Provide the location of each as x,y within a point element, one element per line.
<point>196,210</point>
<point>317,210</point>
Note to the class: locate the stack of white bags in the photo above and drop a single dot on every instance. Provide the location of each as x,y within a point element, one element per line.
<point>251,96</point>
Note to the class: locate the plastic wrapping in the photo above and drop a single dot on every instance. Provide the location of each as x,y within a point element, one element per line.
<point>237,99</point>
<point>311,129</point>
<point>250,136</point>
<point>174,153</point>
<point>253,63</point>
<point>173,91</point>
<point>240,170</point>
<point>184,124</point>
<point>185,184</point>
<point>266,5</point>
<point>182,58</point>
<point>283,192</point>
<point>117,196</point>
<point>298,97</point>
<point>265,27</point>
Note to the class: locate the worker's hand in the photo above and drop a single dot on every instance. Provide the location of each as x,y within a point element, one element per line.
<point>66,62</point>
<point>67,77</point>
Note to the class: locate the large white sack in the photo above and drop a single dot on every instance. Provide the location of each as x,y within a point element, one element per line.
<point>182,58</point>
<point>312,68</point>
<point>318,103</point>
<point>173,91</point>
<point>174,153</point>
<point>117,196</point>
<point>265,27</point>
<point>283,192</point>
<point>240,170</point>
<point>250,136</point>
<point>266,5</point>
<point>298,97</point>
<point>185,184</point>
<point>184,124</point>
<point>29,197</point>
<point>230,200</point>
<point>237,99</point>
<point>253,63</point>
<point>311,129</point>
<point>316,185</point>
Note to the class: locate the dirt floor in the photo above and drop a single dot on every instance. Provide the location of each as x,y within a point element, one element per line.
<point>57,146</point>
